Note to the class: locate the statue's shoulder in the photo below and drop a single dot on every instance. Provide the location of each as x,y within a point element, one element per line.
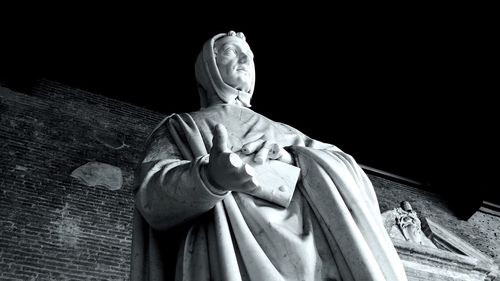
<point>160,130</point>
<point>160,143</point>
<point>171,119</point>
<point>161,133</point>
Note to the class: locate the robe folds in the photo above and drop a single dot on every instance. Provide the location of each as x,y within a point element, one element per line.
<point>332,229</point>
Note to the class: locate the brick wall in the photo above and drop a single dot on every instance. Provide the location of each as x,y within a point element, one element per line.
<point>54,227</point>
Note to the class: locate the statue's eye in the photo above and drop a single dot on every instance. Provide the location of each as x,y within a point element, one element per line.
<point>230,52</point>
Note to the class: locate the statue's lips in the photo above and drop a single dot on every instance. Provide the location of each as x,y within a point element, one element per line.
<point>242,69</point>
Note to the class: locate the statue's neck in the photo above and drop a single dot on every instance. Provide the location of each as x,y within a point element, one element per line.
<point>215,100</point>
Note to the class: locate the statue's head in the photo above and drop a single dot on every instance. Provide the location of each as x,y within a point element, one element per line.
<point>235,61</point>
<point>405,205</point>
<point>225,70</point>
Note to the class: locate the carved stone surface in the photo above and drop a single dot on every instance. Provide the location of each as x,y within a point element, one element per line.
<point>424,263</point>
<point>448,241</point>
<point>251,239</point>
<point>481,230</point>
<point>431,252</point>
<point>403,223</point>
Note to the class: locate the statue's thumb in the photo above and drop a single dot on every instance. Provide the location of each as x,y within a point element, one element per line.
<point>220,138</point>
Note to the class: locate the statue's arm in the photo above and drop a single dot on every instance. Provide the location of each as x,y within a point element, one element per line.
<point>171,190</point>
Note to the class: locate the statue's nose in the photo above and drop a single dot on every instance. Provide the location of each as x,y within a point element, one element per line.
<point>244,59</point>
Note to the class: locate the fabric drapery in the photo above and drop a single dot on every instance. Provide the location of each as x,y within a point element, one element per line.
<point>333,222</point>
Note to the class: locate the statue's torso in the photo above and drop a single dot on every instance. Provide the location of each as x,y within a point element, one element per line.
<point>291,237</point>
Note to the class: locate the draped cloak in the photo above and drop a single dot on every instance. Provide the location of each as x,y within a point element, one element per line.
<point>332,229</point>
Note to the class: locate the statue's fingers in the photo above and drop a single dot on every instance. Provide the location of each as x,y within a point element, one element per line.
<point>248,171</point>
<point>251,185</point>
<point>243,174</point>
<point>253,146</point>
<point>219,141</point>
<point>227,163</point>
<point>234,161</point>
<point>276,151</point>
<point>262,155</point>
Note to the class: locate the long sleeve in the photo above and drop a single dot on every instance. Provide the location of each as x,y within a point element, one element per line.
<point>171,190</point>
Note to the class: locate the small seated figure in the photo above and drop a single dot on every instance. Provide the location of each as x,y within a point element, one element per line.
<point>408,223</point>
<point>403,223</point>
<point>225,193</point>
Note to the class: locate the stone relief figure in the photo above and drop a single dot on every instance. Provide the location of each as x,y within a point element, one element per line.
<point>225,193</point>
<point>408,223</point>
<point>403,223</point>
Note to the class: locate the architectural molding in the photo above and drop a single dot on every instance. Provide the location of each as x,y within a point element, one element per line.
<point>390,176</point>
<point>490,208</point>
<point>431,252</point>
<point>427,263</point>
<point>447,240</point>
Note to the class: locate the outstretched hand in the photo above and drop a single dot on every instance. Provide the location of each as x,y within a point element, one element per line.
<point>225,169</point>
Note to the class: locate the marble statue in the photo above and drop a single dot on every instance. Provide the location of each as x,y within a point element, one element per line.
<point>225,193</point>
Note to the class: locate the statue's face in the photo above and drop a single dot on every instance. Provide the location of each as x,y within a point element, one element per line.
<point>235,63</point>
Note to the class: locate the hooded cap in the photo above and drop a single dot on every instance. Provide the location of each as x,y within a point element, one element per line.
<point>210,80</point>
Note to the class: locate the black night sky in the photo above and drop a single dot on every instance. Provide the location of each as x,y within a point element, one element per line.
<point>408,94</point>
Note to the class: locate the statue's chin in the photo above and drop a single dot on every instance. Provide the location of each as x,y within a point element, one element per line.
<point>244,86</point>
<point>240,84</point>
